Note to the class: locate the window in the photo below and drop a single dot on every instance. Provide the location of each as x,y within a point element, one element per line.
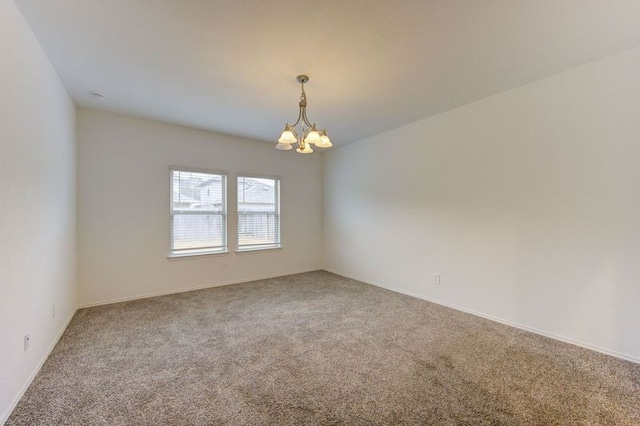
<point>198,213</point>
<point>258,213</point>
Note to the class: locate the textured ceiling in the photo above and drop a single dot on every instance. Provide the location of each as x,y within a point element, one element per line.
<point>230,66</point>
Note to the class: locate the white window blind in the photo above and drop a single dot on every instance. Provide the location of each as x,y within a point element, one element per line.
<point>258,213</point>
<point>198,213</point>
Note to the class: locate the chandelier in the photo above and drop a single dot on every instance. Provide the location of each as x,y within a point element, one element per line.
<point>310,134</point>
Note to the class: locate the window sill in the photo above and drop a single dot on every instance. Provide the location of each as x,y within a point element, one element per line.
<point>196,255</point>
<point>254,250</point>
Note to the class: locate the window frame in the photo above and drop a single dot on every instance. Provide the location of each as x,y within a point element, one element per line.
<point>194,252</point>
<point>257,248</point>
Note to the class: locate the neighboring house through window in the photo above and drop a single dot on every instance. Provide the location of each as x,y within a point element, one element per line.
<point>258,213</point>
<point>198,213</point>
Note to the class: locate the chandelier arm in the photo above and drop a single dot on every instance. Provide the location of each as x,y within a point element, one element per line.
<point>305,120</point>
<point>300,115</point>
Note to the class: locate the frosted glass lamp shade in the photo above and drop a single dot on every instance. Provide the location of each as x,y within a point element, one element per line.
<point>312,136</point>
<point>287,136</point>
<point>305,150</point>
<point>284,146</point>
<point>325,142</point>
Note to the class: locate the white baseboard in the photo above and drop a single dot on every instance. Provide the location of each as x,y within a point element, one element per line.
<point>7,413</point>
<point>201,287</point>
<point>496,319</point>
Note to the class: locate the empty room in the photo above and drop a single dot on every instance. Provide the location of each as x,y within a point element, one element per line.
<point>355,212</point>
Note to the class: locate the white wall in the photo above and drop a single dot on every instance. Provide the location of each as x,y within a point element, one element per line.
<point>527,203</point>
<point>37,217</point>
<point>123,207</point>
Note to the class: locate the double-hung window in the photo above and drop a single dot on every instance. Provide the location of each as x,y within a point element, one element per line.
<point>258,213</point>
<point>198,213</point>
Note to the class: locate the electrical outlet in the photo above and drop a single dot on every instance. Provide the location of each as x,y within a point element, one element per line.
<point>27,340</point>
<point>436,278</point>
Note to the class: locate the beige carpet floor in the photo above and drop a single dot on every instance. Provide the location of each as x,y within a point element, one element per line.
<point>317,349</point>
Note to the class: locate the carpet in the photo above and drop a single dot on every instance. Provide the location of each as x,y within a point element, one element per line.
<point>317,349</point>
